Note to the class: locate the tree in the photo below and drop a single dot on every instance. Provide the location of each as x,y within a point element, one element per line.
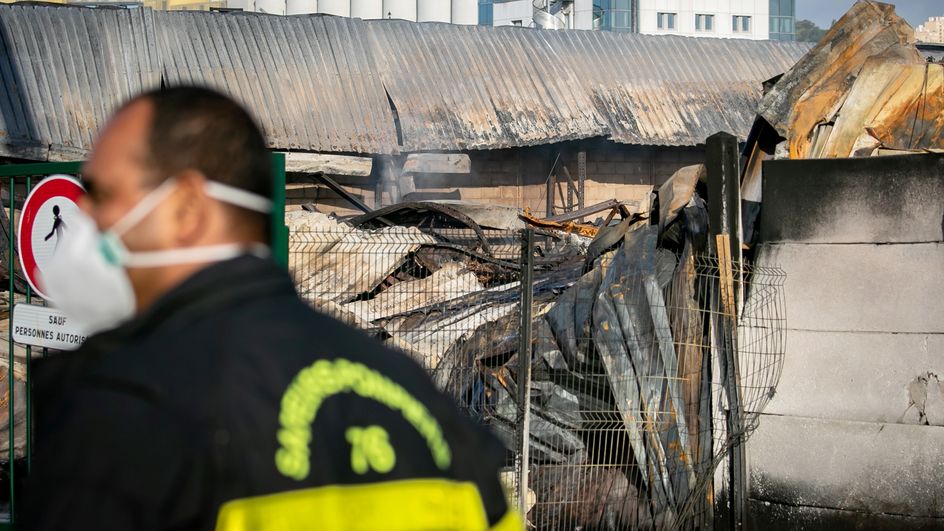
<point>808,31</point>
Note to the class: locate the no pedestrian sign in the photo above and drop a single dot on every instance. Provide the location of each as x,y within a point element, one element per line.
<point>44,222</point>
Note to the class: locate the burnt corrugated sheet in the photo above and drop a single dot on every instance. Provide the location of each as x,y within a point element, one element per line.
<point>460,87</point>
<point>468,87</point>
<point>310,80</point>
<point>327,84</point>
<point>63,70</point>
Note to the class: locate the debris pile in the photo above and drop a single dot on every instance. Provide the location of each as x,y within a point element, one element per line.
<point>864,90</point>
<point>621,321</point>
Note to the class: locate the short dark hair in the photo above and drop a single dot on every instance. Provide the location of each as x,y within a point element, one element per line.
<point>201,129</point>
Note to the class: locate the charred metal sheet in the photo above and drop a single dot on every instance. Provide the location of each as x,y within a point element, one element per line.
<point>467,87</point>
<point>488,216</point>
<point>359,262</point>
<point>414,212</point>
<point>310,80</point>
<point>676,193</point>
<point>452,280</point>
<point>625,209</point>
<point>811,92</point>
<point>906,114</point>
<point>62,72</point>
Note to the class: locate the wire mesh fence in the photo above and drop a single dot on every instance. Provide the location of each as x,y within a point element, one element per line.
<point>645,365</point>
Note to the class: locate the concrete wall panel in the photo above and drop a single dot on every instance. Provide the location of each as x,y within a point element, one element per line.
<point>853,466</point>
<point>866,200</point>
<point>768,516</point>
<point>895,288</point>
<point>862,377</point>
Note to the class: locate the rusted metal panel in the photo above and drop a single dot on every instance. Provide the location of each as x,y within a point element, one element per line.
<point>813,90</point>
<point>310,80</point>
<point>63,70</point>
<point>670,90</point>
<point>866,88</point>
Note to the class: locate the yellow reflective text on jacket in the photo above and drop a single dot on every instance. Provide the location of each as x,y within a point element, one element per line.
<point>325,378</point>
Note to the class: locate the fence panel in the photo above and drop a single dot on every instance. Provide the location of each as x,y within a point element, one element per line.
<point>635,350</point>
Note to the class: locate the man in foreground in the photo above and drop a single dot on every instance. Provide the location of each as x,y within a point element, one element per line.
<point>222,401</point>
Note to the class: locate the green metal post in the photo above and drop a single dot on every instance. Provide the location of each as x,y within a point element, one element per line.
<point>279,229</point>
<point>10,379</point>
<point>39,168</point>
<point>29,358</point>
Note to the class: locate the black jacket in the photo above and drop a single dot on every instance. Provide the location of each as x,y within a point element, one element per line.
<point>230,390</point>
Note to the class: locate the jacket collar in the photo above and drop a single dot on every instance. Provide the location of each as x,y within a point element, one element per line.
<point>211,289</point>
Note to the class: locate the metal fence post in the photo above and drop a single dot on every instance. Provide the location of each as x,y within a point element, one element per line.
<point>524,368</point>
<point>279,229</point>
<point>724,205</point>
<point>11,411</point>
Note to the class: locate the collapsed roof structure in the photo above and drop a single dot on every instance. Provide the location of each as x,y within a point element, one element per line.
<point>865,86</point>
<point>865,90</point>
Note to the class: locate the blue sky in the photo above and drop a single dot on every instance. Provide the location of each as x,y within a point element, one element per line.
<point>823,12</point>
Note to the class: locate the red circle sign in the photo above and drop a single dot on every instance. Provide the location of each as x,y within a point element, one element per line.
<point>44,221</point>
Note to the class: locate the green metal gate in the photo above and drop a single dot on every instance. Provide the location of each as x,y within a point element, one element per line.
<point>20,179</point>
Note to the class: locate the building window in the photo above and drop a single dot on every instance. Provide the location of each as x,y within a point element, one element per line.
<point>782,17</point>
<point>666,21</point>
<point>781,29</point>
<point>614,15</point>
<point>486,13</point>
<point>741,24</point>
<point>704,22</point>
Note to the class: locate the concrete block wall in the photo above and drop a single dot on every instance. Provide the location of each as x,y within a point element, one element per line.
<point>613,171</point>
<point>300,190</point>
<point>517,177</point>
<point>854,436</point>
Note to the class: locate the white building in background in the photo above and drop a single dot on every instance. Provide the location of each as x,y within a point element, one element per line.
<point>451,11</point>
<point>743,19</point>
<point>931,31</point>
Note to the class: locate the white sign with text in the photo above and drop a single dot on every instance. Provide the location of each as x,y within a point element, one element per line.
<point>41,326</point>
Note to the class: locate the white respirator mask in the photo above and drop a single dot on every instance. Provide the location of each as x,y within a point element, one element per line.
<point>87,278</point>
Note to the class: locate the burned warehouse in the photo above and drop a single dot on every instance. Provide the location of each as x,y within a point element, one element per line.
<point>591,241</point>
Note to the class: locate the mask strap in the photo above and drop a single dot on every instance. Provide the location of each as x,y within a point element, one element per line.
<point>236,196</point>
<point>143,208</point>
<point>193,255</point>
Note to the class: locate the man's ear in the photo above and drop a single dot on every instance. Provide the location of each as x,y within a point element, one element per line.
<point>191,207</point>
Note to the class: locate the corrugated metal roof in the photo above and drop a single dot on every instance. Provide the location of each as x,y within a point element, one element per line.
<point>310,80</point>
<point>321,83</point>
<point>460,87</point>
<point>63,70</point>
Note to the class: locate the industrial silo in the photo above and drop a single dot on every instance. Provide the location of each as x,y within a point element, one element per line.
<point>405,9</point>
<point>367,9</point>
<point>301,7</point>
<point>465,12</point>
<point>341,8</point>
<point>433,11</point>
